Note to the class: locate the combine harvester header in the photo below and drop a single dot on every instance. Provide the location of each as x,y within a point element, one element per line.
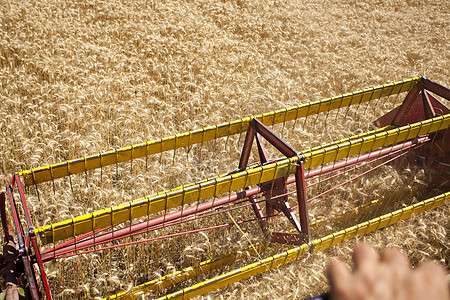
<point>274,193</point>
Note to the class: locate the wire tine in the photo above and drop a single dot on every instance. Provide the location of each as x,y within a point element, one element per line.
<point>348,152</point>
<point>228,136</point>
<point>318,114</point>
<point>350,104</point>
<point>201,145</point>
<point>85,172</point>
<point>240,137</point>
<point>387,98</point>
<point>187,149</point>
<point>339,109</point>
<point>174,150</point>
<point>54,245</point>
<point>130,220</point>
<point>396,138</point>
<point>101,168</point>
<point>197,205</point>
<point>445,134</point>
<point>182,202</point>
<point>272,185</point>
<point>273,121</point>
<point>284,123</point>
<point>295,121</point>
<point>53,181</point>
<point>131,161</point>
<point>334,163</point>
<point>395,101</point>
<point>146,156</point>
<point>215,141</point>
<point>71,186</point>
<point>307,114</point>
<point>95,244</point>
<point>215,191</point>
<point>148,217</point>
<point>317,118</point>
<point>321,169</point>
<point>131,167</point>
<point>368,103</point>
<point>360,150</point>
<point>328,112</point>
<point>359,104</point>
<point>37,193</point>
<point>117,165</point>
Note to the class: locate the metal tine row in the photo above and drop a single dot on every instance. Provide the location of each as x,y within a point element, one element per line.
<point>187,151</point>
<point>175,156</point>
<point>224,217</point>
<point>189,148</point>
<point>164,160</point>
<point>358,116</point>
<point>384,203</point>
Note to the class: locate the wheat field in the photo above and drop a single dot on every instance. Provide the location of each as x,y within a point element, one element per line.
<point>80,77</point>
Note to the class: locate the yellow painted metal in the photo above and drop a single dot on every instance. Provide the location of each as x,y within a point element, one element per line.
<point>211,264</point>
<point>229,182</point>
<point>80,165</point>
<point>185,274</point>
<point>316,245</point>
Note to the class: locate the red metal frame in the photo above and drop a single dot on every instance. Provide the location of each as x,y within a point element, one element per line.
<point>276,190</point>
<point>10,265</point>
<point>31,236</point>
<point>24,240</point>
<point>419,104</point>
<point>86,240</point>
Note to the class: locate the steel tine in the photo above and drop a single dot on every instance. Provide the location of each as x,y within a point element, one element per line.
<point>368,103</point>
<point>348,107</point>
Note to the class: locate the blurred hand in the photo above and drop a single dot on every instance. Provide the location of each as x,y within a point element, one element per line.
<point>386,277</point>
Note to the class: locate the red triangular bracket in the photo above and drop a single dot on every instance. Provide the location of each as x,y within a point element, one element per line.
<point>276,193</point>
<point>419,105</point>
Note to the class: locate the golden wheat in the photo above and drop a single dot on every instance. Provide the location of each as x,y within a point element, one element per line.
<point>81,77</point>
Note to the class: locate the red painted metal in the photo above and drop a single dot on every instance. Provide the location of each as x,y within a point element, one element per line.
<point>358,176</point>
<point>427,105</point>
<point>420,104</point>
<point>24,240</point>
<point>407,115</point>
<point>118,233</point>
<point>264,157</point>
<point>142,227</point>
<point>279,237</point>
<point>278,186</point>
<point>273,139</point>
<point>40,263</point>
<point>246,150</point>
<point>259,214</point>
<point>16,179</point>
<point>66,253</point>
<point>436,88</point>
<point>23,251</point>
<point>9,260</point>
<point>302,202</point>
<point>439,108</point>
<point>293,238</point>
<point>251,134</point>
<point>5,224</point>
